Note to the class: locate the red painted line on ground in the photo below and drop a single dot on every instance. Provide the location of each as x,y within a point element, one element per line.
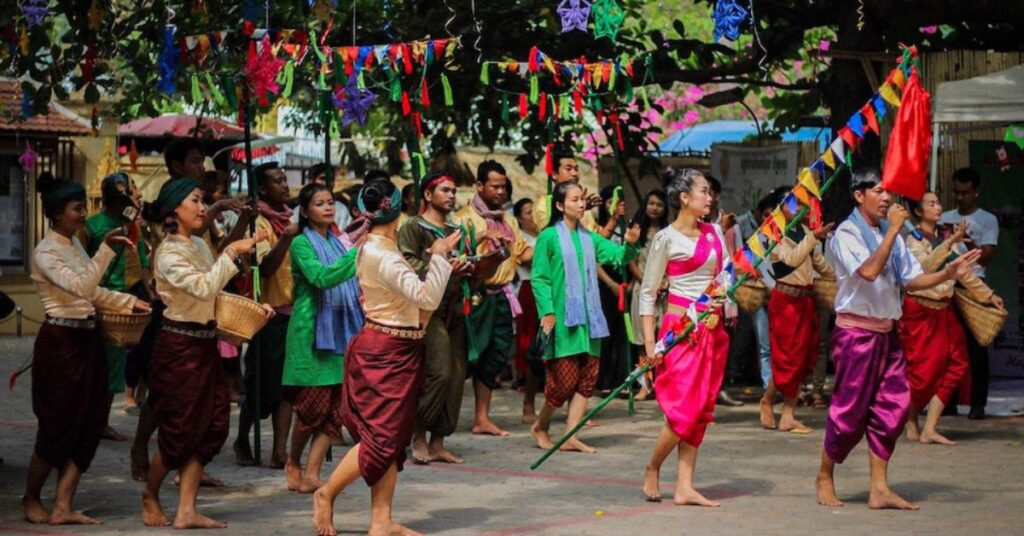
<point>568,522</point>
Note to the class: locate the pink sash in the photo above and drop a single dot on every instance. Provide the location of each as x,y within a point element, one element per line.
<point>706,243</point>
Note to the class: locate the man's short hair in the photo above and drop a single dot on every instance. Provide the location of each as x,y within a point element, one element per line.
<point>486,167</point>
<point>177,151</point>
<point>261,172</point>
<point>968,174</point>
<point>865,179</point>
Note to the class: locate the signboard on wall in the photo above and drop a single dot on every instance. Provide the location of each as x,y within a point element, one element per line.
<point>1001,166</point>
<point>12,212</point>
<point>748,173</point>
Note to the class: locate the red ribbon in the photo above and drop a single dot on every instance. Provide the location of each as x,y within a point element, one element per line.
<point>406,105</point>
<point>524,106</point>
<point>542,109</point>
<point>424,94</point>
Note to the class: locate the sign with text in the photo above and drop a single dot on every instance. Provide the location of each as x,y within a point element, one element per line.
<point>748,173</point>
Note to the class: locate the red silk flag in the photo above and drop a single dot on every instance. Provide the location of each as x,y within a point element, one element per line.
<point>906,161</point>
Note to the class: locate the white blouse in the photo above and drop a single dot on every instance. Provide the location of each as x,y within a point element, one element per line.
<point>669,245</point>
<point>188,279</point>
<point>393,294</point>
<point>68,280</point>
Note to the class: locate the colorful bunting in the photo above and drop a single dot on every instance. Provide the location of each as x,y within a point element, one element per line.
<point>741,260</point>
<point>889,95</point>
<point>870,119</point>
<point>754,243</point>
<point>806,179</point>
<point>856,124</point>
<point>838,149</point>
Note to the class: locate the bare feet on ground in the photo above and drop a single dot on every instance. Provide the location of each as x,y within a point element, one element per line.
<point>243,454</point>
<point>206,481</point>
<point>913,430</point>
<point>529,416</point>
<point>652,489</point>
<point>826,488</point>
<point>887,499</point>
<point>61,516</point>
<point>309,484</point>
<point>323,514</point>
<point>767,414</point>
<point>934,438</point>
<point>35,512</point>
<point>292,476</point>
<point>575,445</point>
<point>112,435</point>
<point>787,424</point>
<point>152,513</point>
<point>394,529</point>
<point>488,428</point>
<point>195,520</point>
<point>442,455</point>
<point>422,453</point>
<point>692,497</point>
<point>277,461</point>
<point>542,437</point>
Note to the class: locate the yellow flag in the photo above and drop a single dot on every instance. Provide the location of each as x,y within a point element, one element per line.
<point>807,179</point>
<point>889,95</point>
<point>828,159</point>
<point>596,77</point>
<point>754,243</point>
<point>780,218</point>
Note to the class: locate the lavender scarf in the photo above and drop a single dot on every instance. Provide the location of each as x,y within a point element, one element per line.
<point>338,316</point>
<point>893,268</point>
<point>581,306</point>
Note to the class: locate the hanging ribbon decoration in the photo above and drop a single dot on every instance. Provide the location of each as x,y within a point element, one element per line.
<point>574,14</point>
<point>729,17</point>
<point>168,62</point>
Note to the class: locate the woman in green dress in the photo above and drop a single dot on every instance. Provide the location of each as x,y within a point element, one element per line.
<point>568,302</point>
<point>325,315</point>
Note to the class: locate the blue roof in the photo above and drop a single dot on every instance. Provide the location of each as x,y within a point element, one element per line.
<point>700,136</point>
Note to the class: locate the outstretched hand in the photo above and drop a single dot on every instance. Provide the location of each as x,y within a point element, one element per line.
<point>962,265</point>
<point>116,236</point>
<point>822,232</point>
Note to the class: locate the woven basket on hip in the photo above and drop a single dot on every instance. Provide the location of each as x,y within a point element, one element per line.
<point>825,289</point>
<point>238,318</point>
<point>983,321</point>
<point>751,295</point>
<point>122,329</point>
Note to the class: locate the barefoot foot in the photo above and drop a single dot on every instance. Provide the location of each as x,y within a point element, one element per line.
<point>422,454</point>
<point>789,424</point>
<point>575,445</point>
<point>34,510</point>
<point>931,437</point>
<point>529,416</point>
<point>652,489</point>
<point>913,430</point>
<point>292,475</point>
<point>489,428</point>
<point>323,514</point>
<point>392,529</point>
<point>887,499</point>
<point>277,461</point>
<point>243,454</point>
<point>444,456</point>
<point>767,414</point>
<point>826,488</point>
<point>693,497</point>
<point>112,435</point>
<point>542,437</point>
<point>61,516</point>
<point>309,484</point>
<point>195,520</point>
<point>152,513</point>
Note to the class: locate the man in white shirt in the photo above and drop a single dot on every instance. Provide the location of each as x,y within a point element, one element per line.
<point>872,396</point>
<point>983,231</point>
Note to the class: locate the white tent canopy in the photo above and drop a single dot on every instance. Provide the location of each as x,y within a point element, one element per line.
<point>996,97</point>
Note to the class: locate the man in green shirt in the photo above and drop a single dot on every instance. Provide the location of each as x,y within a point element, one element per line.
<point>128,272</point>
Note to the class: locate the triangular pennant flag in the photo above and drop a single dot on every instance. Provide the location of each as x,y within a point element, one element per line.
<point>878,103</point>
<point>802,195</point>
<point>828,159</point>
<point>856,124</point>
<point>814,214</point>
<point>790,203</point>
<point>779,219</point>
<point>889,95</point>
<point>846,134</point>
<point>691,312</point>
<point>899,77</point>
<point>808,182</point>
<point>769,229</point>
<point>869,118</point>
<point>742,262</point>
<point>838,149</point>
<point>754,243</point>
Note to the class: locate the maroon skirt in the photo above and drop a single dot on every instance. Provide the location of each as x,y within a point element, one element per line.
<point>69,394</point>
<point>189,395</point>
<point>383,379</point>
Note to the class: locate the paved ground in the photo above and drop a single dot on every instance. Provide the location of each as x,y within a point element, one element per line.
<point>764,480</point>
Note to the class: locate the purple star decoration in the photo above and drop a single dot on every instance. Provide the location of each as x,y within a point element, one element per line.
<point>574,14</point>
<point>728,16</point>
<point>35,11</point>
<point>356,104</point>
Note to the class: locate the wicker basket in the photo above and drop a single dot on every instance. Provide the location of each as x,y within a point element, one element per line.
<point>751,295</point>
<point>122,329</point>
<point>983,321</point>
<point>825,289</point>
<point>238,318</point>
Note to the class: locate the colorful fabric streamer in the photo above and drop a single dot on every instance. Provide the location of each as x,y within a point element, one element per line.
<point>168,63</point>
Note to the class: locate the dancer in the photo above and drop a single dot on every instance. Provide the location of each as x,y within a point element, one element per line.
<point>188,393</point>
<point>652,216</point>
<point>492,340</point>
<point>69,365</point>
<point>793,323</point>
<point>527,323</point>
<point>566,289</point>
<point>930,331</point>
<point>384,364</point>
<point>128,272</point>
<point>872,264</point>
<point>445,340</point>
<point>325,317</point>
<point>690,254</point>
<point>276,291</point>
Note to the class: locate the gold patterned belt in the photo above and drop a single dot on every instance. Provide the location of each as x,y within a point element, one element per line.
<point>938,305</point>
<point>711,320</point>
<point>793,290</point>
<point>75,323</point>
<point>405,333</point>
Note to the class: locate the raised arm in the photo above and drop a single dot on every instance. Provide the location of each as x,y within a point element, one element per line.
<point>318,274</point>
<point>180,273</point>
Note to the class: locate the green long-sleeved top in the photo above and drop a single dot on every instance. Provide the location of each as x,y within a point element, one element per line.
<point>548,282</point>
<point>304,365</point>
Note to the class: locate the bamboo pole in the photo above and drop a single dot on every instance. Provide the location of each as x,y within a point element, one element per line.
<point>254,194</point>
